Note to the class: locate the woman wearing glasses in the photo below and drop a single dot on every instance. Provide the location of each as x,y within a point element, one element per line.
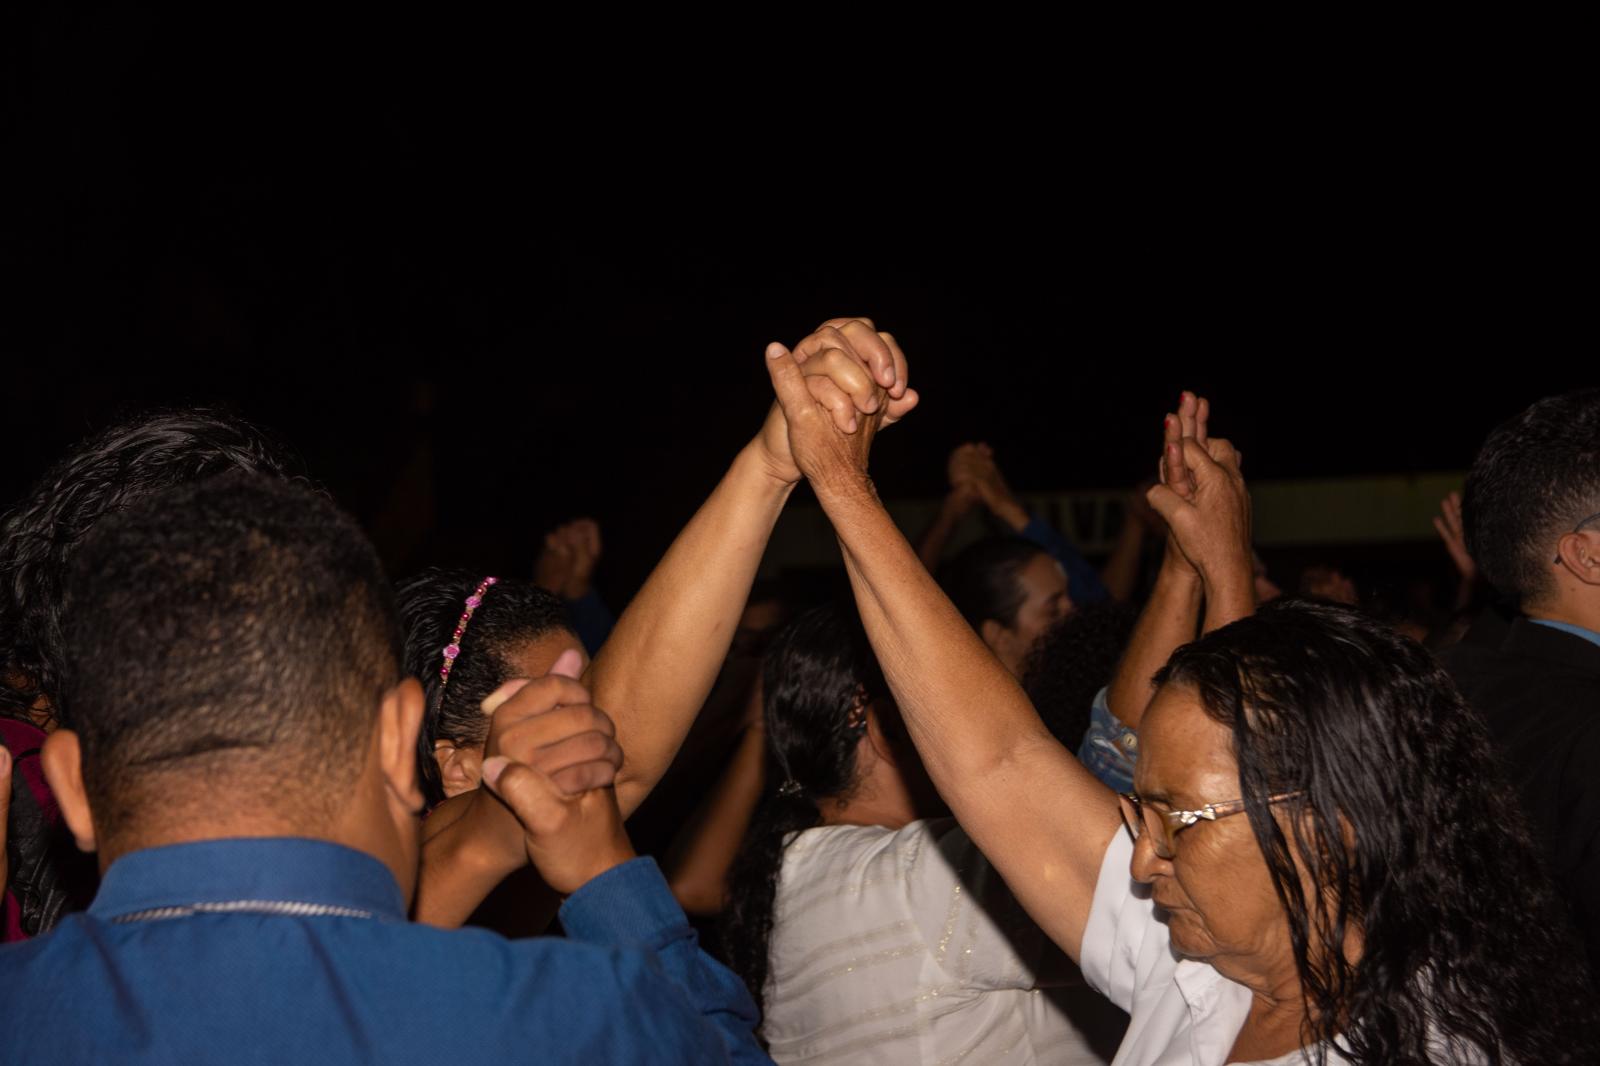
<point>1326,865</point>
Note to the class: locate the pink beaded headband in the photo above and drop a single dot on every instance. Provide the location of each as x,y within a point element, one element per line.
<point>453,649</point>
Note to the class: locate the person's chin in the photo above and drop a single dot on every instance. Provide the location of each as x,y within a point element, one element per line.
<point>1183,932</point>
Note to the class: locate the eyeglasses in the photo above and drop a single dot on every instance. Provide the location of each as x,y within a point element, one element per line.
<point>1138,816</point>
<point>1578,529</point>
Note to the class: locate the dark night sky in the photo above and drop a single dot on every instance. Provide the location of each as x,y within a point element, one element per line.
<point>369,237</point>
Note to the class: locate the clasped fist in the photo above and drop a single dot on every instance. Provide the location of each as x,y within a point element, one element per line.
<point>551,758</point>
<point>1201,493</point>
<point>849,379</point>
<point>834,391</point>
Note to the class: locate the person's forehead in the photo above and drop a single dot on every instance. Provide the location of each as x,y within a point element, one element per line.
<point>536,657</point>
<point>1045,572</point>
<point>1184,753</point>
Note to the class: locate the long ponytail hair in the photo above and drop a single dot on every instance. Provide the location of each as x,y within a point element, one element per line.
<point>819,674</point>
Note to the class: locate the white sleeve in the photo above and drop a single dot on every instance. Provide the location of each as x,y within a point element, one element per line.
<point>1121,921</point>
<point>974,928</point>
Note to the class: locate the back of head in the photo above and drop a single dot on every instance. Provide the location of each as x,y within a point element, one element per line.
<point>103,474</point>
<point>1399,812</point>
<point>226,644</point>
<point>512,613</point>
<point>819,675</point>
<point>1536,477</point>
<point>981,580</point>
<point>1074,660</point>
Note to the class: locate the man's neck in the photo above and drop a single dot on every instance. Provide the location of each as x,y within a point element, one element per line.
<point>1584,613</point>
<point>146,834</point>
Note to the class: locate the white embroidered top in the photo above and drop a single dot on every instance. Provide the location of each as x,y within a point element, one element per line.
<point>906,947</point>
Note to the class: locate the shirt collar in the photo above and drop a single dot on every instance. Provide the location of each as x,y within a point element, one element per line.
<point>1567,627</point>
<point>274,869</point>
<point>1217,1008</point>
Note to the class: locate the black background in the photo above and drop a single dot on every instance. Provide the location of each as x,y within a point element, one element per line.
<point>553,269</point>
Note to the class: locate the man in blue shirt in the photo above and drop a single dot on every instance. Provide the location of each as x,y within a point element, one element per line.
<point>1531,513</point>
<point>243,760</point>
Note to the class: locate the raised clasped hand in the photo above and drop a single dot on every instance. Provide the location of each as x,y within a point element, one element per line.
<point>1201,494</point>
<point>549,725</point>
<point>855,374</point>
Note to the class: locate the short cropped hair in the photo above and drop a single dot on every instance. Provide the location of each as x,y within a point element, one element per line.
<point>1536,477</point>
<point>238,632</point>
<point>101,475</point>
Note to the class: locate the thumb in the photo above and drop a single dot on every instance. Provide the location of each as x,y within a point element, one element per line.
<point>788,381</point>
<point>525,790</point>
<point>1166,503</point>
<point>570,664</point>
<point>5,791</point>
<point>1198,459</point>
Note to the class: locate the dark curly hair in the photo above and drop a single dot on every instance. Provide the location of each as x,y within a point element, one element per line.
<point>819,670</point>
<point>514,611</point>
<point>1535,478</point>
<point>1074,660</point>
<point>1466,949</point>
<point>101,475</point>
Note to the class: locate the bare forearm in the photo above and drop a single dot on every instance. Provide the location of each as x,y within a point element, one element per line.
<point>937,536</point>
<point>981,740</point>
<point>658,666</point>
<point>1230,595</point>
<point>698,867</point>
<point>1122,568</point>
<point>459,867</point>
<point>1169,620</point>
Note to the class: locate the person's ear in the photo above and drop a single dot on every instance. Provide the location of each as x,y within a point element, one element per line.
<point>61,756</point>
<point>993,634</point>
<point>460,767</point>
<point>399,722</point>
<point>1580,552</point>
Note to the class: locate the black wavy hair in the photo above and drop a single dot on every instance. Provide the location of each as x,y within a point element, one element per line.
<point>1074,660</point>
<point>1466,949</point>
<point>514,611</point>
<point>1535,478</point>
<point>101,475</point>
<point>981,580</point>
<point>230,636</point>
<point>818,671</point>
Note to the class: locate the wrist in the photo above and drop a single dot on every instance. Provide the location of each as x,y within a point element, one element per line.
<point>1009,511</point>
<point>957,503</point>
<point>756,465</point>
<point>490,840</point>
<point>603,862</point>
<point>1230,593</point>
<point>845,486</point>
<point>1177,570</point>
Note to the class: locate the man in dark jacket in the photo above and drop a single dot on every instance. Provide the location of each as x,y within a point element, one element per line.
<point>1531,509</point>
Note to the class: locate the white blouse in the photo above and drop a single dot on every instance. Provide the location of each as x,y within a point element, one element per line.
<point>905,947</point>
<point>1182,1012</point>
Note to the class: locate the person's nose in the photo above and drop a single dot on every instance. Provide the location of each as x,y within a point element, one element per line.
<point>1146,865</point>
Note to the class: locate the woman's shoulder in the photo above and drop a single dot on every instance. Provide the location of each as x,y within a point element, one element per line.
<point>857,861</point>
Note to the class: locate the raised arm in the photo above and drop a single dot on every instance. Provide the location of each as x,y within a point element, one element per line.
<point>1171,617</point>
<point>1040,817</point>
<point>1201,494</point>
<point>958,503</point>
<point>655,670</point>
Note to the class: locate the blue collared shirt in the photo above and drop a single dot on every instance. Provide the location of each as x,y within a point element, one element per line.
<point>292,951</point>
<point>1567,627</point>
